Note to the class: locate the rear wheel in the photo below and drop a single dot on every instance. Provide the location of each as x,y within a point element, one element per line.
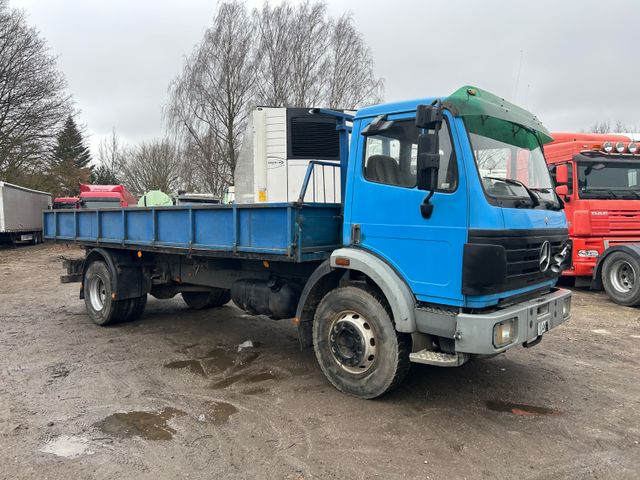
<point>98,296</point>
<point>136,308</point>
<point>620,278</point>
<point>356,343</point>
<point>201,300</point>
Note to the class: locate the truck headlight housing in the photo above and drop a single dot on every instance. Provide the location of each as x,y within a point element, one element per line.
<point>505,333</point>
<point>607,147</point>
<point>633,147</point>
<point>620,147</point>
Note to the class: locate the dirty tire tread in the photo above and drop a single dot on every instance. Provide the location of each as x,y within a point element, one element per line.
<point>631,298</point>
<point>113,311</point>
<point>402,340</point>
<point>136,309</point>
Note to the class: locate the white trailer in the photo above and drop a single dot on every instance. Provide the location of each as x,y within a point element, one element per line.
<point>279,145</point>
<point>21,213</point>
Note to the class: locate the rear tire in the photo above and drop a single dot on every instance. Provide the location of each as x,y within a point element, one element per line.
<point>136,308</point>
<point>202,300</point>
<point>356,343</point>
<point>98,297</point>
<point>620,278</point>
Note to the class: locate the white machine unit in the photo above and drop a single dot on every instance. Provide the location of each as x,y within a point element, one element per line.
<point>278,146</point>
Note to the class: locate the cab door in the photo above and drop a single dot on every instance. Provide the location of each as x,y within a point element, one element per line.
<point>385,215</point>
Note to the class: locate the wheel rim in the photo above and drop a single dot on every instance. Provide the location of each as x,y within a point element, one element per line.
<point>97,293</point>
<point>352,342</point>
<point>623,276</point>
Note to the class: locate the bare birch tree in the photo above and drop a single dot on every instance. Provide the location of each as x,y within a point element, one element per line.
<point>111,156</point>
<point>281,55</point>
<point>209,101</point>
<point>153,165</point>
<point>351,77</point>
<point>274,34</point>
<point>33,100</point>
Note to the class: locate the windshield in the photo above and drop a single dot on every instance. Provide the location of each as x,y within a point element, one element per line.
<point>609,179</point>
<point>511,163</point>
<point>101,203</point>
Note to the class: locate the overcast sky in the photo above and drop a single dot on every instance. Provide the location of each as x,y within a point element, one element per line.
<point>570,62</point>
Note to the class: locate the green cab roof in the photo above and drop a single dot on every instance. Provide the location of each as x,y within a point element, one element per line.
<point>483,111</point>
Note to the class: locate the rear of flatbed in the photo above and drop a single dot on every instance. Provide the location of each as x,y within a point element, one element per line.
<point>281,231</point>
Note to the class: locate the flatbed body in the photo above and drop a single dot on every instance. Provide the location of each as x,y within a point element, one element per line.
<point>282,231</point>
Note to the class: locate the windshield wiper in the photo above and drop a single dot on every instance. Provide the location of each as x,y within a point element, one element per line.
<point>512,181</point>
<point>550,205</point>
<point>594,190</point>
<point>635,194</point>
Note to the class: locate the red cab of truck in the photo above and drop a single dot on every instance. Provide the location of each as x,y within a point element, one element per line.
<point>598,177</point>
<point>101,196</point>
<point>66,202</point>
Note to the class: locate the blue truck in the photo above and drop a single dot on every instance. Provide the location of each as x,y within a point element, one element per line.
<point>446,245</point>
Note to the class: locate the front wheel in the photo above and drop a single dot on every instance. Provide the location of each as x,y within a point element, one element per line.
<point>356,343</point>
<point>620,278</point>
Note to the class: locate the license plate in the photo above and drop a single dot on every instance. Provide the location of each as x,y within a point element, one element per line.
<point>543,327</point>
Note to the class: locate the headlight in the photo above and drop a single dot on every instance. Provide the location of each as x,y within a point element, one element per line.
<point>633,147</point>
<point>505,332</point>
<point>587,253</point>
<point>620,147</point>
<point>607,147</point>
<point>566,307</point>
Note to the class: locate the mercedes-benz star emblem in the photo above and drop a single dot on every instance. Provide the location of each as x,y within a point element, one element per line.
<point>545,256</point>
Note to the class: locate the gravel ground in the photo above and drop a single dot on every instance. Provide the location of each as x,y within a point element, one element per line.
<point>174,396</point>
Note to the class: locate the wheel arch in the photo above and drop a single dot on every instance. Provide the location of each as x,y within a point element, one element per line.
<point>128,279</point>
<point>329,275</point>
<point>632,249</point>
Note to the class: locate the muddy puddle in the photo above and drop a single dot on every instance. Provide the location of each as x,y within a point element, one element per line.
<point>216,361</point>
<point>219,413</point>
<point>521,409</point>
<point>68,446</point>
<point>148,425</point>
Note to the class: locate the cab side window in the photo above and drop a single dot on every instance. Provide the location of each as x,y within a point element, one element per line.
<point>391,157</point>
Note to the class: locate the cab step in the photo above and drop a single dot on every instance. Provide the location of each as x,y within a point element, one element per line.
<point>439,359</point>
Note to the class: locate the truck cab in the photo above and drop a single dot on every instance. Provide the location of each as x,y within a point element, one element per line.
<point>444,242</point>
<point>106,196</point>
<point>598,179</point>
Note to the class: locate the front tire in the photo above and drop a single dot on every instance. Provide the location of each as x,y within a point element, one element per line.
<point>202,300</point>
<point>98,296</point>
<point>620,278</point>
<point>356,343</point>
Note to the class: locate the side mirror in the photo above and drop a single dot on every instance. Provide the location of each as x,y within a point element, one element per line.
<point>428,161</point>
<point>562,175</point>
<point>562,191</point>
<point>428,118</point>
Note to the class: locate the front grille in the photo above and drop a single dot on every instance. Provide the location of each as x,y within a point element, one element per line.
<point>617,221</point>
<point>522,248</point>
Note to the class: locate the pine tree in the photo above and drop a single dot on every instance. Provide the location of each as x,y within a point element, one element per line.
<point>71,160</point>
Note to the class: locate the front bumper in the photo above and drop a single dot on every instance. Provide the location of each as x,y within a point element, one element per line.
<point>475,332</point>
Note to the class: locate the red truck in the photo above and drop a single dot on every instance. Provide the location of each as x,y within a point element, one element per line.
<point>66,202</point>
<point>598,177</point>
<point>101,196</point>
